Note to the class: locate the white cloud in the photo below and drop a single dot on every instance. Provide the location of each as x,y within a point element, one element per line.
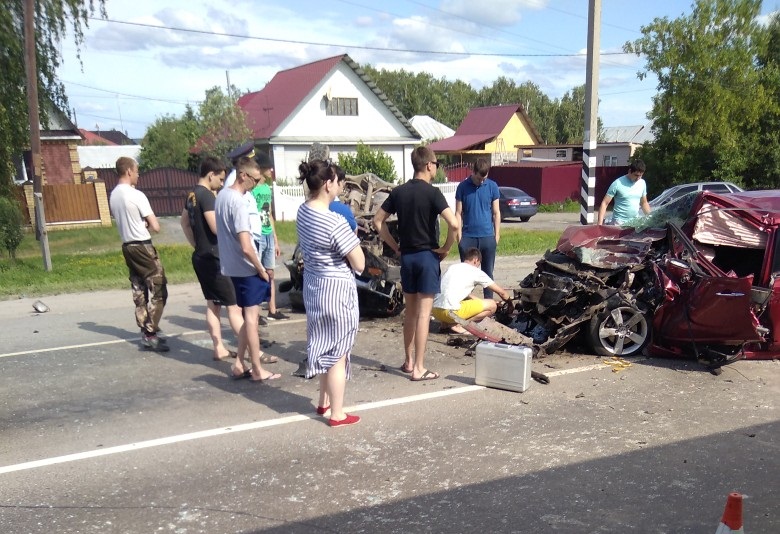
<point>496,13</point>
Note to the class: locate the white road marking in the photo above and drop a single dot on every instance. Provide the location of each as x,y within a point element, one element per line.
<point>256,425</point>
<point>131,340</point>
<point>594,367</point>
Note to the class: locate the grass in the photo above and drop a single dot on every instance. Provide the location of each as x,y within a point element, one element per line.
<point>90,259</point>
<point>568,206</point>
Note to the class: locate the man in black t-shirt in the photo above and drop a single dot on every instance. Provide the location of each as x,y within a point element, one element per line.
<point>200,227</point>
<point>418,205</point>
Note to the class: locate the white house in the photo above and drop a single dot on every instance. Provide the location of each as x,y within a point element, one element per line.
<point>331,101</point>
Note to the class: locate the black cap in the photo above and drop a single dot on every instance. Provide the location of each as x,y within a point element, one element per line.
<point>263,161</point>
<point>247,149</point>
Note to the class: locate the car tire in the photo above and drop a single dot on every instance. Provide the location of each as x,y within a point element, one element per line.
<point>621,330</point>
<point>525,219</point>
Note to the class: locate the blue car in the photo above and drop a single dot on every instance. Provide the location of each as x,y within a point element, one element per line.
<point>514,202</point>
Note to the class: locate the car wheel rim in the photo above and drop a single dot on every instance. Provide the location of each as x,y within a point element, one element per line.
<point>624,331</point>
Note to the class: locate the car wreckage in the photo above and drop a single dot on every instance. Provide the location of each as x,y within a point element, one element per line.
<point>699,277</point>
<point>379,285</point>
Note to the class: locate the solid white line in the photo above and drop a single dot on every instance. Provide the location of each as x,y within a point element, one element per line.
<point>595,367</point>
<point>96,344</point>
<point>132,340</point>
<point>222,431</point>
<point>254,426</point>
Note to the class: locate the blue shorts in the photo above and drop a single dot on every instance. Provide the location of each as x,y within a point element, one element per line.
<point>251,290</point>
<point>266,251</point>
<point>421,272</point>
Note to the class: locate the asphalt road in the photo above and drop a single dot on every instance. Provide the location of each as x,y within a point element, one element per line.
<point>100,436</point>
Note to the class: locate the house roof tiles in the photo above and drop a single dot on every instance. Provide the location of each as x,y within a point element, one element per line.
<point>482,124</point>
<point>268,108</point>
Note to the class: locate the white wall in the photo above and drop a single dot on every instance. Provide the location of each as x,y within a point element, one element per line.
<point>375,126</point>
<point>104,157</point>
<point>374,120</point>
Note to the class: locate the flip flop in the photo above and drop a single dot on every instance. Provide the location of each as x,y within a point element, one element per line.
<point>245,374</point>
<point>405,369</point>
<point>229,355</point>
<point>274,376</point>
<point>427,375</point>
<point>267,358</point>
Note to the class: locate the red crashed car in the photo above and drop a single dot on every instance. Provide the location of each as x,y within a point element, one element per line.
<point>697,277</point>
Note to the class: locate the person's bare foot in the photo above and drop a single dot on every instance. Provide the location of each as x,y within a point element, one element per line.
<point>261,376</point>
<point>228,355</point>
<point>455,329</point>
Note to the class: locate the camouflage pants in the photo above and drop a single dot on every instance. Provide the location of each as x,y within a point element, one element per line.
<point>147,279</point>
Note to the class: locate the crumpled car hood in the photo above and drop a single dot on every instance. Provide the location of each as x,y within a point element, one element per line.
<point>608,247</point>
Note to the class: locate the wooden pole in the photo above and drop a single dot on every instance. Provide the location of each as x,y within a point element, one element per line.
<point>35,130</point>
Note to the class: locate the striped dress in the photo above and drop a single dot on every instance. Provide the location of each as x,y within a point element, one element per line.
<point>329,291</point>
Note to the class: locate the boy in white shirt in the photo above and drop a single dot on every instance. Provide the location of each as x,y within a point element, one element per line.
<point>457,284</point>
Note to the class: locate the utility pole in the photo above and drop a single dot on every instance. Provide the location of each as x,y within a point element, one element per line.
<point>590,139</point>
<point>35,130</point>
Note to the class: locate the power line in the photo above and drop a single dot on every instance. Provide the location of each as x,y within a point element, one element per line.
<point>138,97</point>
<point>356,47</point>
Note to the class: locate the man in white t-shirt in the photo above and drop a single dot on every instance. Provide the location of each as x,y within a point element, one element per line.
<point>134,219</point>
<point>457,284</point>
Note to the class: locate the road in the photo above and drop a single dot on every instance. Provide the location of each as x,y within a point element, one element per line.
<point>100,436</point>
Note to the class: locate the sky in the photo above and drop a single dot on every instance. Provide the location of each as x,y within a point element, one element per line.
<point>138,65</point>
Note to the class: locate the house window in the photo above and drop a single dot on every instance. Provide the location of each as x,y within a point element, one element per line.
<point>561,153</point>
<point>342,106</point>
<point>528,152</point>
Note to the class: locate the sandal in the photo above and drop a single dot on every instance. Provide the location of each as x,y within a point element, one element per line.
<point>427,375</point>
<point>266,358</point>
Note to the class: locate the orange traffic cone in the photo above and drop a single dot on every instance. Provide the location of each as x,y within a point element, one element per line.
<point>731,522</point>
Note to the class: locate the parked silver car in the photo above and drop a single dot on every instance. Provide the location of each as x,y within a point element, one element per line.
<point>675,192</point>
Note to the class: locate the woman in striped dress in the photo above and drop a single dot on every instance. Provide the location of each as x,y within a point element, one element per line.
<point>331,256</point>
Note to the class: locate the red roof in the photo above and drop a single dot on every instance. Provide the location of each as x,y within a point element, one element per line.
<point>268,108</point>
<point>94,139</point>
<point>482,125</point>
<point>459,142</point>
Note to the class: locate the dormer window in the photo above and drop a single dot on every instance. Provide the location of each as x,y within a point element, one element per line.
<point>342,106</point>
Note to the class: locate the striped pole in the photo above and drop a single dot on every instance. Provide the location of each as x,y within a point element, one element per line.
<point>588,179</point>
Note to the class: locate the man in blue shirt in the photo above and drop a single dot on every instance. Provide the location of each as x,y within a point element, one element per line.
<point>477,211</point>
<point>629,192</point>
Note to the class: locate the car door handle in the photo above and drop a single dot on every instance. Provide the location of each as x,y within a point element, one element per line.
<point>730,294</point>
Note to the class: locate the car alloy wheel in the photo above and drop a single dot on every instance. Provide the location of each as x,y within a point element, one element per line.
<point>619,331</point>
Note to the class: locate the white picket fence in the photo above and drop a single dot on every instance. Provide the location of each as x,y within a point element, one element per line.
<point>288,198</point>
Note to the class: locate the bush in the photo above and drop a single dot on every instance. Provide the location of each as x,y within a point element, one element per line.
<point>367,160</point>
<point>11,221</point>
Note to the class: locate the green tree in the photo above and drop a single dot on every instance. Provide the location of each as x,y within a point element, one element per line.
<point>570,116</point>
<point>763,171</point>
<point>11,220</point>
<point>168,142</point>
<point>368,160</point>
<point>53,19</point>
<point>222,123</point>
<point>219,126</point>
<point>711,90</point>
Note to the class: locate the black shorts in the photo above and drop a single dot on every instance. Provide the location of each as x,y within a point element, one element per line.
<point>215,286</point>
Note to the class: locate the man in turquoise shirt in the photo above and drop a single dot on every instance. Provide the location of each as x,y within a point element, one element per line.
<point>629,192</point>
